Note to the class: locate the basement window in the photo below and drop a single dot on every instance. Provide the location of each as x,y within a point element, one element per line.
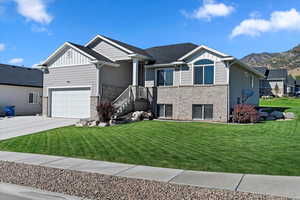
<point>202,111</point>
<point>165,110</point>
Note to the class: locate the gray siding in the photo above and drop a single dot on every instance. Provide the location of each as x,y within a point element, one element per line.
<point>109,51</point>
<point>186,75</point>
<point>85,75</point>
<point>240,80</point>
<point>18,96</point>
<point>183,75</point>
<point>117,76</point>
<point>69,57</point>
<point>150,77</point>
<point>220,73</point>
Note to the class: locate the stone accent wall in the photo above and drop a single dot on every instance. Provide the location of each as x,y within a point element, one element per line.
<point>94,103</point>
<point>182,98</point>
<point>45,106</point>
<point>110,92</point>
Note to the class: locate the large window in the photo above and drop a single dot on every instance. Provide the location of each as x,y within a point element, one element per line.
<point>202,111</point>
<point>165,110</point>
<point>165,77</point>
<point>204,72</point>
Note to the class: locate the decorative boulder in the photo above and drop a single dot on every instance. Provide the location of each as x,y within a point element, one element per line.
<point>137,116</point>
<point>92,123</point>
<point>263,114</point>
<point>103,124</point>
<point>289,115</point>
<point>277,115</point>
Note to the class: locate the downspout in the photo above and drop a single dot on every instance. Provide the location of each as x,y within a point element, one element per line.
<point>228,88</point>
<point>99,80</point>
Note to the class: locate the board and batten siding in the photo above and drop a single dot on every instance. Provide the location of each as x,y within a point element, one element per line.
<point>108,50</point>
<point>69,57</point>
<point>83,75</point>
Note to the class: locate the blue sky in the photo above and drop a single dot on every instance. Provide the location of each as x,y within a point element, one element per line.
<point>32,29</point>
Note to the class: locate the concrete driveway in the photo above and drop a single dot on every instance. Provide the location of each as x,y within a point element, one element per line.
<point>18,126</point>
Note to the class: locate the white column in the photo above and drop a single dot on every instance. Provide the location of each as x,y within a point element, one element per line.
<point>135,72</point>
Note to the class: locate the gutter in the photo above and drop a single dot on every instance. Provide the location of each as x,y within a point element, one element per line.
<point>166,64</point>
<point>99,62</point>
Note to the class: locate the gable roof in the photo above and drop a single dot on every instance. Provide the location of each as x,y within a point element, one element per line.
<point>277,74</point>
<point>20,76</point>
<point>200,48</point>
<point>170,53</point>
<point>262,70</point>
<point>130,49</point>
<point>91,52</point>
<point>93,55</point>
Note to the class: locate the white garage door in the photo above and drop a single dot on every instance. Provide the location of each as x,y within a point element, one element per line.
<point>73,103</point>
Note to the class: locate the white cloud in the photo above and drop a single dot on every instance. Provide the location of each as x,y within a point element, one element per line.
<point>279,20</point>
<point>209,10</point>
<point>16,61</point>
<point>2,47</point>
<point>34,10</point>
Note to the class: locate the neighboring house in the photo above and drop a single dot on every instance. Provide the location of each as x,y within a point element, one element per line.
<point>21,87</point>
<point>182,81</point>
<point>276,82</point>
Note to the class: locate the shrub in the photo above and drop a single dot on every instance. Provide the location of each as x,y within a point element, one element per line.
<point>244,113</point>
<point>105,111</point>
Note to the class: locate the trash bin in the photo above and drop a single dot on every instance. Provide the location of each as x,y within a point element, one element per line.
<point>9,111</point>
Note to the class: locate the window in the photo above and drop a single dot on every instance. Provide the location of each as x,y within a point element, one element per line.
<point>165,110</point>
<point>33,98</point>
<point>204,72</point>
<point>202,112</point>
<point>165,77</point>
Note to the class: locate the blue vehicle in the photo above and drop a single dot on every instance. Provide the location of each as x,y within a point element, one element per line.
<point>9,111</point>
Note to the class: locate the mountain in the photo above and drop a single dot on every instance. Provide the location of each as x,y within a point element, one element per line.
<point>285,60</point>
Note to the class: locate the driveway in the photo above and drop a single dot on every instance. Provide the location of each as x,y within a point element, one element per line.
<point>18,126</point>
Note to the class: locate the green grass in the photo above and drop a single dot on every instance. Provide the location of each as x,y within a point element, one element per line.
<point>264,148</point>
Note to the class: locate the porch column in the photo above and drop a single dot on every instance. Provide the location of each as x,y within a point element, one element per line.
<point>135,72</point>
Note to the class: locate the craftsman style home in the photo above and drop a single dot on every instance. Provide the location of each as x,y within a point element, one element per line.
<point>181,81</point>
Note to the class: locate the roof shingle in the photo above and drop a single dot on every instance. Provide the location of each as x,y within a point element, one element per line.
<point>22,76</point>
<point>170,53</point>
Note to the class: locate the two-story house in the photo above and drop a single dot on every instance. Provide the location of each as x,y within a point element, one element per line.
<point>181,81</point>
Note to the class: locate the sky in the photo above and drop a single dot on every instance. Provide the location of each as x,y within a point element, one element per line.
<point>30,30</point>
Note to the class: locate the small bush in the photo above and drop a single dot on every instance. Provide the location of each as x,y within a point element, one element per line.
<point>244,113</point>
<point>105,111</point>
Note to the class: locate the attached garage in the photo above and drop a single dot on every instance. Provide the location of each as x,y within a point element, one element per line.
<point>70,103</point>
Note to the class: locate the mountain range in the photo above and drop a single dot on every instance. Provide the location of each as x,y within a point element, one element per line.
<point>289,60</point>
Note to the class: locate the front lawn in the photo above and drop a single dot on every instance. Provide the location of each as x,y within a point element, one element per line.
<point>265,148</point>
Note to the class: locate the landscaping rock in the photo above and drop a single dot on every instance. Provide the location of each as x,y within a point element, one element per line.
<point>289,115</point>
<point>277,115</point>
<point>103,124</point>
<point>137,116</point>
<point>92,123</point>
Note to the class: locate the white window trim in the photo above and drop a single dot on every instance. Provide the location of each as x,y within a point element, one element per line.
<point>193,76</point>
<point>203,111</point>
<point>35,98</point>
<point>252,81</point>
<point>165,117</point>
<point>156,84</point>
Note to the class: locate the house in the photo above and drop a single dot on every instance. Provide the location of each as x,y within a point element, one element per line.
<point>21,87</point>
<point>276,82</point>
<point>181,81</point>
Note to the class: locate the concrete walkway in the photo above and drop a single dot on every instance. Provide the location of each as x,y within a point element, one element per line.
<point>24,125</point>
<point>272,185</point>
<point>15,192</point>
